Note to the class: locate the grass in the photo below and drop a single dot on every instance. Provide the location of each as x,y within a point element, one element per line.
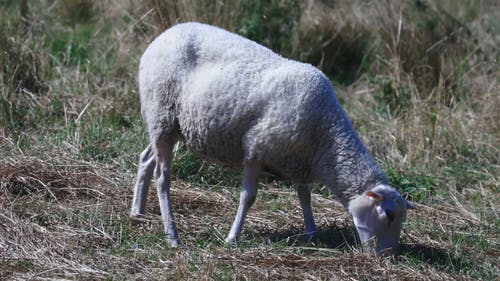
<point>418,78</point>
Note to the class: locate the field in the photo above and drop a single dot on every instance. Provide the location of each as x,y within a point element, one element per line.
<point>419,79</point>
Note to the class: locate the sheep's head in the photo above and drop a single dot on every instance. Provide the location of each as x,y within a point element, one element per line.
<point>379,214</point>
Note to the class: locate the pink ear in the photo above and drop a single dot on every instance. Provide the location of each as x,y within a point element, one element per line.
<point>375,196</point>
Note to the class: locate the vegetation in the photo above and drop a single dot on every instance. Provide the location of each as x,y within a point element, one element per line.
<point>419,79</point>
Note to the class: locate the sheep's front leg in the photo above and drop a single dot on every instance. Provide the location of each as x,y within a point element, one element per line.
<point>145,170</point>
<point>305,202</point>
<point>247,197</point>
<point>163,189</point>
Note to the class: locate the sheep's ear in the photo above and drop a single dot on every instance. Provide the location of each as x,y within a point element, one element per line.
<point>402,201</point>
<point>408,205</point>
<point>375,196</point>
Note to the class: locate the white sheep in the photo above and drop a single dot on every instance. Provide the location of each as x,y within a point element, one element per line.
<point>235,102</point>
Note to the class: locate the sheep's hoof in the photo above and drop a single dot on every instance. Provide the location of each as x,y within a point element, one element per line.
<point>174,243</point>
<point>136,218</point>
<point>312,238</point>
<point>173,239</point>
<point>231,242</point>
<point>312,241</point>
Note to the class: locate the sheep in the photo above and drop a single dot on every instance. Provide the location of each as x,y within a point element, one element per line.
<point>237,103</point>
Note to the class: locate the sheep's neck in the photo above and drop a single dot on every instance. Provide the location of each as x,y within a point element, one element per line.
<point>350,169</point>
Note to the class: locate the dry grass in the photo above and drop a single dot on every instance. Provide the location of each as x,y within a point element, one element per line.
<point>168,13</point>
<point>67,219</point>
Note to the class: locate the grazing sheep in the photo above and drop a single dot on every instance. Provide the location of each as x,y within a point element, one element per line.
<point>237,103</point>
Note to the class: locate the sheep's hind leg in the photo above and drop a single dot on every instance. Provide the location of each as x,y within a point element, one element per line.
<point>163,170</point>
<point>247,197</point>
<point>147,162</point>
<point>305,202</point>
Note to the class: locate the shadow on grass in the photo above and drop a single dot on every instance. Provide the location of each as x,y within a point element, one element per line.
<point>344,237</point>
<point>329,236</point>
<point>436,257</point>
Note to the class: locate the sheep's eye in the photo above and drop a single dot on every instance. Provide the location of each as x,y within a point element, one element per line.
<point>390,215</point>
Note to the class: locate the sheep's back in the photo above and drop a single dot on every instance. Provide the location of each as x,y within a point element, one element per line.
<point>232,100</point>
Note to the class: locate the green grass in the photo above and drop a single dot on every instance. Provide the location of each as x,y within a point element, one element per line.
<point>417,187</point>
<point>71,133</point>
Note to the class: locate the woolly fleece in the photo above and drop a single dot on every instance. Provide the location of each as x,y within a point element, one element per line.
<point>236,102</point>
